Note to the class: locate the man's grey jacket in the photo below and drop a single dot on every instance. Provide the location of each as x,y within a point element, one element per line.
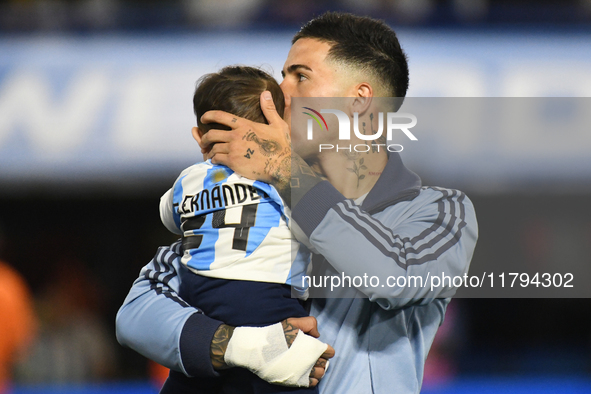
<point>391,245</point>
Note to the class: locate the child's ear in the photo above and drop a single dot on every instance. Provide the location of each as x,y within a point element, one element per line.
<point>197,134</point>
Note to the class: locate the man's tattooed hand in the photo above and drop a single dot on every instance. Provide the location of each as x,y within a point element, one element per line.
<point>268,147</point>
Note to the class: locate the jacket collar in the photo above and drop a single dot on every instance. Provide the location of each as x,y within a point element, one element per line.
<point>396,183</point>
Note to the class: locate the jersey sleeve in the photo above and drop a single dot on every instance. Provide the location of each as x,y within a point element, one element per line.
<point>157,323</point>
<point>434,235</point>
<point>167,214</point>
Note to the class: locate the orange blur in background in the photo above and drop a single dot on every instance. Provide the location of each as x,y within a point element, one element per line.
<point>17,322</point>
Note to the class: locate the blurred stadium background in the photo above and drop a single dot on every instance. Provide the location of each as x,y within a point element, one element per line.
<point>95,114</point>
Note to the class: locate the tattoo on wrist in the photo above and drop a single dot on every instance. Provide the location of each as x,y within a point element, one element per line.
<point>301,180</point>
<point>218,347</point>
<point>290,332</point>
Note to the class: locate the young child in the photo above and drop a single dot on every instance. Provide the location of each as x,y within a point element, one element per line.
<point>235,236</point>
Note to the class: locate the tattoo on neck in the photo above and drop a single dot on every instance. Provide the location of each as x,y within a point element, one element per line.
<point>351,156</point>
<point>365,133</point>
<point>357,170</point>
<point>380,141</point>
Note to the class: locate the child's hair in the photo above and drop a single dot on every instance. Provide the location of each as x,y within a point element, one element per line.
<point>237,90</point>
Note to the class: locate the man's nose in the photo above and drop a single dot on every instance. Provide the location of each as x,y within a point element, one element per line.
<point>287,100</point>
<point>287,88</point>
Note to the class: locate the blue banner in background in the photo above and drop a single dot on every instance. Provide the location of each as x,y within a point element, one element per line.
<point>84,109</point>
<point>78,109</point>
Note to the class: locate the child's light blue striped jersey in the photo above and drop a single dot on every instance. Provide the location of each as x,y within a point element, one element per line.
<point>233,227</point>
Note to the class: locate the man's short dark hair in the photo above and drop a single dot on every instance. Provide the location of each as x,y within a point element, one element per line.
<point>237,90</point>
<point>364,43</point>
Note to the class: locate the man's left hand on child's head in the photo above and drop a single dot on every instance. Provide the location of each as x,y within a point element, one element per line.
<point>253,150</point>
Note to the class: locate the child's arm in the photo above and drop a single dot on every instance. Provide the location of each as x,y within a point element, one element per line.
<point>166,213</point>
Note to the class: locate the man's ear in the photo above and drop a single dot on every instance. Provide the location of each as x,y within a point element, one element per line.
<point>197,134</point>
<point>364,89</point>
<point>363,98</point>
